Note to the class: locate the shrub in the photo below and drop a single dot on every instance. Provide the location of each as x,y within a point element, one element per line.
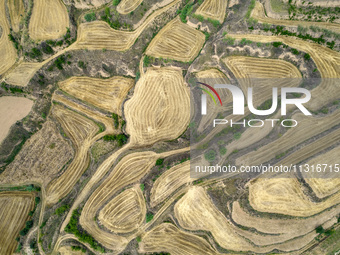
<point>121,139</point>
<point>237,135</point>
<point>277,44</point>
<point>90,17</point>
<point>295,52</point>
<point>142,186</point>
<point>319,229</point>
<point>210,155</point>
<point>115,2</point>
<point>59,211</point>
<point>149,217</point>
<point>223,150</point>
<point>307,56</point>
<point>115,119</point>
<point>159,161</point>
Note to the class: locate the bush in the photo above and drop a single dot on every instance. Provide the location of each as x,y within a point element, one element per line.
<point>149,217</point>
<point>229,40</point>
<point>47,48</point>
<point>210,155</point>
<point>307,56</point>
<point>237,135</point>
<point>319,230</point>
<point>295,52</point>
<point>115,2</point>
<point>139,239</point>
<point>121,139</point>
<point>159,161</point>
<point>115,119</point>
<point>59,211</point>
<point>223,150</point>
<point>142,186</point>
<point>215,23</point>
<point>90,17</point>
<point>277,44</point>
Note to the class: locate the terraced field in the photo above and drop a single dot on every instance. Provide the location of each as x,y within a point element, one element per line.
<point>213,9</point>
<point>105,94</point>
<point>159,109</point>
<point>16,12</point>
<point>49,20</point>
<point>127,6</point>
<point>176,41</point>
<point>15,207</point>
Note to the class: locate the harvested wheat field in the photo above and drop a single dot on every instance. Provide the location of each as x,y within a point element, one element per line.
<point>22,73</point>
<point>291,138</point>
<point>214,76</point>
<point>169,182</point>
<point>127,6</point>
<point>286,228</point>
<point>41,157</point>
<point>86,4</point>
<point>213,9</point>
<point>177,41</point>
<point>81,132</point>
<point>16,12</point>
<point>49,20</point>
<point>106,94</point>
<point>168,238</point>
<point>285,196</point>
<point>329,185</point>
<point>260,73</point>
<point>12,109</point>
<point>160,107</point>
<point>326,60</point>
<point>124,213</point>
<point>195,211</point>
<point>130,169</point>
<point>15,207</point>
<point>7,51</point>
<point>259,14</point>
<point>98,35</point>
<point>66,250</point>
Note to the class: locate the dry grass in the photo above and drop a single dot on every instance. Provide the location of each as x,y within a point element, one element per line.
<point>168,238</point>
<point>160,107</point>
<point>124,213</point>
<point>99,35</point>
<point>22,73</point>
<point>49,20</point>
<point>16,12</point>
<point>259,14</point>
<point>12,109</point>
<point>213,9</point>
<point>15,207</point>
<point>259,74</point>
<point>177,41</point>
<point>324,187</point>
<point>308,127</point>
<point>66,250</point>
<point>195,211</point>
<point>7,51</point>
<point>86,4</point>
<point>326,61</point>
<point>40,159</point>
<point>127,6</point>
<point>285,196</point>
<point>107,94</point>
<point>129,169</point>
<point>169,182</point>
<point>81,132</point>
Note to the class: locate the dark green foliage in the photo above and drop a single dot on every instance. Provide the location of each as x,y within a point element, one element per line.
<point>37,200</point>
<point>159,161</point>
<point>121,139</point>
<point>59,62</point>
<point>187,9</point>
<point>115,120</point>
<point>29,225</point>
<point>146,60</point>
<point>142,186</point>
<point>35,53</point>
<point>207,35</point>
<point>149,217</point>
<point>59,211</point>
<point>81,64</point>
<point>83,236</point>
<point>109,137</point>
<point>319,229</point>
<point>47,48</point>
<point>138,239</point>
<point>15,42</point>
<point>115,2</point>
<point>277,44</point>
<point>210,155</point>
<point>295,52</point>
<point>306,56</point>
<point>90,17</point>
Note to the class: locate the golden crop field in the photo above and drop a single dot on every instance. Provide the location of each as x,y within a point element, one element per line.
<point>159,108</point>
<point>129,170</point>
<point>125,212</point>
<point>49,20</point>
<point>169,182</point>
<point>127,6</point>
<point>7,51</point>
<point>259,14</point>
<point>176,41</point>
<point>22,73</point>
<point>254,72</point>
<point>81,131</point>
<point>39,161</point>
<point>167,237</point>
<point>213,9</point>
<point>106,94</point>
<point>15,207</point>
<point>16,12</point>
